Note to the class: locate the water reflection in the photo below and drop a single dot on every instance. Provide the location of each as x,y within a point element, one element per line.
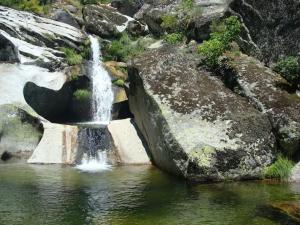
<point>132,195</point>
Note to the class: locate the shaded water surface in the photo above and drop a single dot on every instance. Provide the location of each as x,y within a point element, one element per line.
<point>54,195</point>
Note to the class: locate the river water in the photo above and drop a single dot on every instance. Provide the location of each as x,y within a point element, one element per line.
<point>140,195</point>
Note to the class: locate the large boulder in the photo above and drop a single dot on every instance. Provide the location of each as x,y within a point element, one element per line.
<point>127,7</point>
<point>196,127</point>
<point>195,22</point>
<point>20,133</point>
<point>65,16</point>
<point>272,95</point>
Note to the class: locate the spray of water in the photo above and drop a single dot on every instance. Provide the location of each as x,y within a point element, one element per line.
<point>94,164</point>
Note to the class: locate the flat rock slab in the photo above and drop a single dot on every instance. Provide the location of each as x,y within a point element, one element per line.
<point>196,127</point>
<point>58,145</point>
<point>128,145</point>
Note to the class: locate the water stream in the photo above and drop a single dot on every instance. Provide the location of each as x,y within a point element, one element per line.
<point>95,160</point>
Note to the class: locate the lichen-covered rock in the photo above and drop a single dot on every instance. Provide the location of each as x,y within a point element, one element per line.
<point>196,127</point>
<point>194,22</point>
<point>269,92</point>
<point>20,133</point>
<point>272,26</point>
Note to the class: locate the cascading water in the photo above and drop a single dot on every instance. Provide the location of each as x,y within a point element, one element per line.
<point>102,90</point>
<point>95,158</point>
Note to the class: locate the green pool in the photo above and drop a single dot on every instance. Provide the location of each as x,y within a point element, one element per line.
<point>55,195</point>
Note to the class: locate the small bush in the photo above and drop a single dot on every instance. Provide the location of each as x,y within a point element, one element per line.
<point>280,169</point>
<point>86,2</point>
<point>289,68</point>
<point>119,82</point>
<point>169,22</point>
<point>85,49</point>
<point>223,33</point>
<point>174,38</point>
<point>82,95</point>
<point>73,58</point>
<point>124,48</point>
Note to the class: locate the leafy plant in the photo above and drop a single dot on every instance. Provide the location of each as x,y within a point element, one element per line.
<point>119,82</point>
<point>73,58</point>
<point>289,68</point>
<point>174,38</point>
<point>223,33</point>
<point>124,48</point>
<point>280,169</point>
<point>82,95</point>
<point>169,22</point>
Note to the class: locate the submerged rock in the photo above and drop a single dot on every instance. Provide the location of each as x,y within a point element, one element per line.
<point>196,127</point>
<point>20,133</point>
<point>290,209</point>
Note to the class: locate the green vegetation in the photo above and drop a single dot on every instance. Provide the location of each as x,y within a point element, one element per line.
<point>174,38</point>
<point>124,48</point>
<point>119,82</point>
<point>223,33</point>
<point>86,2</point>
<point>36,6</point>
<point>169,23</point>
<point>85,49</point>
<point>82,95</point>
<point>73,58</point>
<point>280,169</point>
<point>289,68</point>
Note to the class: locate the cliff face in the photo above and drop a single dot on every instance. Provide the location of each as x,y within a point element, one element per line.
<point>273,26</point>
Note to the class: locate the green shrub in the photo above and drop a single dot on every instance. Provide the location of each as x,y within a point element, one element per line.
<point>124,48</point>
<point>223,33</point>
<point>280,169</point>
<point>174,38</point>
<point>119,82</point>
<point>86,2</point>
<point>85,49</point>
<point>73,58</point>
<point>289,68</point>
<point>82,95</point>
<point>169,22</point>
<point>188,4</point>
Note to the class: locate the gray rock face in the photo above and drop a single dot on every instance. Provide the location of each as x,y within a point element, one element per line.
<point>103,20</point>
<point>273,26</point>
<point>63,16</point>
<point>127,7</point>
<point>196,127</point>
<point>268,91</point>
<point>38,39</point>
<point>20,133</point>
<point>198,24</point>
<point>8,52</point>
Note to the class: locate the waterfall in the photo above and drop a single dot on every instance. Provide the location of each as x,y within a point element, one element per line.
<point>94,158</point>
<point>102,88</point>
